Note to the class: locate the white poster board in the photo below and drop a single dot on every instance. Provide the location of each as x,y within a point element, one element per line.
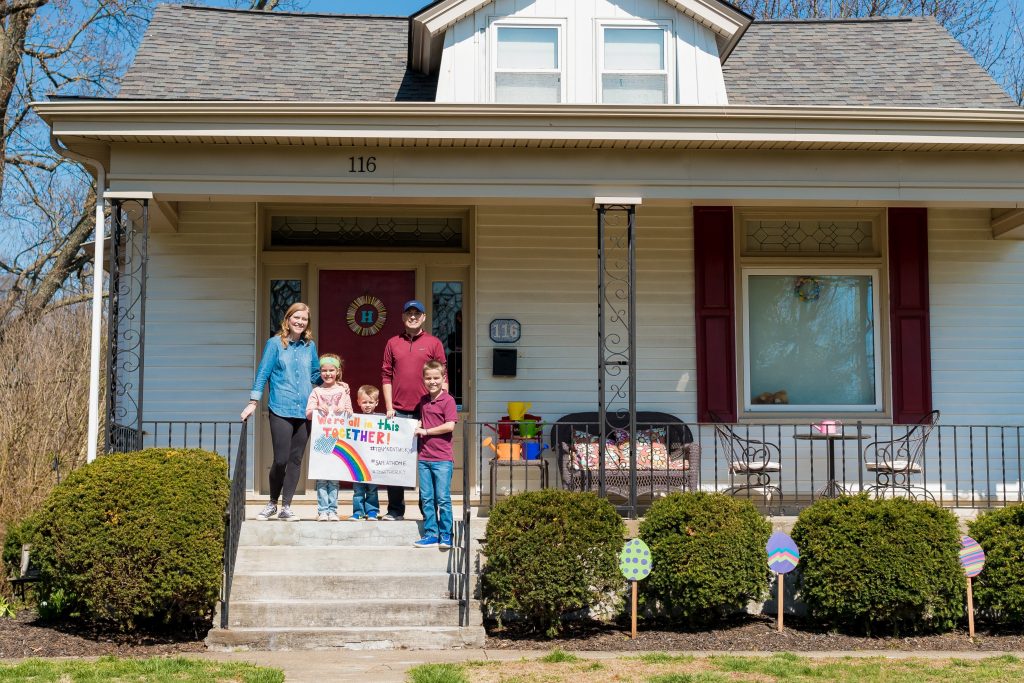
<point>363,448</point>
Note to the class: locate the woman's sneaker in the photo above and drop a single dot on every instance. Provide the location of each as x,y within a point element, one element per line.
<point>426,542</point>
<point>287,515</point>
<point>267,512</point>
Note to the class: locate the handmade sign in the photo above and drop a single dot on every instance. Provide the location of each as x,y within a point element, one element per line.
<point>783,557</point>
<point>635,564</point>
<point>972,558</point>
<point>363,448</point>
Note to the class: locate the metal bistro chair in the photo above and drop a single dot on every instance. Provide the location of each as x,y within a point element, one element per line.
<point>895,461</point>
<point>751,459</point>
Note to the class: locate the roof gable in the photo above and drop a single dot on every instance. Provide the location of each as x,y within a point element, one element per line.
<point>428,25</point>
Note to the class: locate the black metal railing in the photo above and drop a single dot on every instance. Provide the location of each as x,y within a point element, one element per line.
<point>780,467</point>
<point>217,436</point>
<point>233,517</point>
<point>970,466</point>
<point>466,540</point>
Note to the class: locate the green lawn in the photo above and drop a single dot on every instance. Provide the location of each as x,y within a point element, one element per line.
<point>664,668</point>
<point>155,670</point>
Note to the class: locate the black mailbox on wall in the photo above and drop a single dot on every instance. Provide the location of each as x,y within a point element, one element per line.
<point>504,363</point>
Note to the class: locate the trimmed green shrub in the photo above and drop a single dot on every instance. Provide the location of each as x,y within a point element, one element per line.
<point>708,554</point>
<point>999,589</point>
<point>551,552</point>
<point>880,565</point>
<point>135,540</point>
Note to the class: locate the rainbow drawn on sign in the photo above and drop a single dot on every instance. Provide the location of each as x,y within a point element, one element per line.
<point>783,555</point>
<point>972,557</point>
<point>356,467</point>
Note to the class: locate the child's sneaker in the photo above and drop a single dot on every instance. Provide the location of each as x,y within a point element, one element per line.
<point>287,515</point>
<point>426,542</point>
<point>371,516</point>
<point>321,517</point>
<point>356,517</point>
<point>333,517</point>
<point>267,512</point>
<point>445,541</point>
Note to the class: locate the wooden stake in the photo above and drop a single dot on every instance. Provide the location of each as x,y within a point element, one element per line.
<point>634,608</point>
<point>970,607</point>
<point>780,603</point>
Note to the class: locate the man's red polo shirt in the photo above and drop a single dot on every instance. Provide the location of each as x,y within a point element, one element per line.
<point>404,358</point>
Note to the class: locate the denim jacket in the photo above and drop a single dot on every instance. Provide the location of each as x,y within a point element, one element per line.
<point>292,373</point>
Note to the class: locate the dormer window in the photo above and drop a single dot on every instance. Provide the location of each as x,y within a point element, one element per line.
<point>635,64</point>
<point>528,63</point>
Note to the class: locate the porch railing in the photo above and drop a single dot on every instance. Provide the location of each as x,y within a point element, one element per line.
<point>966,466</point>
<point>233,517</point>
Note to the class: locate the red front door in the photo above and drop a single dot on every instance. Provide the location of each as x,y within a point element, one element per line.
<point>359,311</point>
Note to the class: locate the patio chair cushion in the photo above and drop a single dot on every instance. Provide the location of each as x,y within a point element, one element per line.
<point>894,466</point>
<point>741,467</point>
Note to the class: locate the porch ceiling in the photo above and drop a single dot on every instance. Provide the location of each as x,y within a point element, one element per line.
<point>519,126</point>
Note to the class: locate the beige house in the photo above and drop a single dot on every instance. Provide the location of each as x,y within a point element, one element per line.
<point>827,218</point>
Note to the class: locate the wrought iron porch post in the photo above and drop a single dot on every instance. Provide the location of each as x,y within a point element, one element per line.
<point>616,327</point>
<point>126,324</point>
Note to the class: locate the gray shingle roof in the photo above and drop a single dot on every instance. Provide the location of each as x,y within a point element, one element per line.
<point>906,62</point>
<point>193,53</point>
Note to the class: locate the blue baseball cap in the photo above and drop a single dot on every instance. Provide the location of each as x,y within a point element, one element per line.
<point>414,303</point>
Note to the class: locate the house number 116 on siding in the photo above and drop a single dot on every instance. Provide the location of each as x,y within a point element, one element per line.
<point>362,164</point>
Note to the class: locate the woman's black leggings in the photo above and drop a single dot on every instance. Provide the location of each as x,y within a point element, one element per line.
<point>289,435</point>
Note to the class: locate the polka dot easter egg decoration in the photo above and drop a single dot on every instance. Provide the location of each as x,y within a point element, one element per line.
<point>635,560</point>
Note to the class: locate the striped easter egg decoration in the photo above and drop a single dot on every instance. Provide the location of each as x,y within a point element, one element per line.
<point>783,555</point>
<point>972,557</point>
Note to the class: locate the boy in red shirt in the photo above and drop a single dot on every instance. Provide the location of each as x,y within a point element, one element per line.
<point>438,414</point>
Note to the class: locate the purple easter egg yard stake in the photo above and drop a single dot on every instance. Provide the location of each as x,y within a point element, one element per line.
<point>635,564</point>
<point>783,557</point>
<point>972,557</point>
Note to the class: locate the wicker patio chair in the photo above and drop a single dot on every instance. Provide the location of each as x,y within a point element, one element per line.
<point>649,480</point>
<point>894,462</point>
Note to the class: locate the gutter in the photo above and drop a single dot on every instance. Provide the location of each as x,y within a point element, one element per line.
<point>97,294</point>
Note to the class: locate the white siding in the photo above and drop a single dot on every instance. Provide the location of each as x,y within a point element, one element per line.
<point>465,70</point>
<point>539,266</point>
<point>199,314</point>
<point>977,320</point>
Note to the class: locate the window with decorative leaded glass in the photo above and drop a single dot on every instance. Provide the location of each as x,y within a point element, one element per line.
<point>283,293</point>
<point>379,232</point>
<point>446,311</point>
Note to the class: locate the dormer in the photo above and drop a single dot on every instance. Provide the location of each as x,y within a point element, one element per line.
<point>565,51</point>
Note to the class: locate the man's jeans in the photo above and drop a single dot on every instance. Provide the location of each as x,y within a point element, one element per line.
<point>326,496</point>
<point>436,496</point>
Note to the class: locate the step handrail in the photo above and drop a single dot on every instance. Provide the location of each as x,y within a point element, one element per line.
<point>464,598</point>
<point>233,516</point>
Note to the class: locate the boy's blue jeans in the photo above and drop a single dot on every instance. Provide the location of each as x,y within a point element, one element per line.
<point>364,500</point>
<point>326,496</point>
<point>436,496</point>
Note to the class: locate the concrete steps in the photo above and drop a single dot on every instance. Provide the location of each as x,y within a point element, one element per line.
<point>356,585</point>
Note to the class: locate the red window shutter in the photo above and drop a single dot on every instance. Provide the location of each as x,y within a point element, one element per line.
<point>715,312</point>
<point>908,315</point>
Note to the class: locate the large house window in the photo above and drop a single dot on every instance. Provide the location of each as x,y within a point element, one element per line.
<point>634,65</point>
<point>811,314</point>
<point>528,64</point>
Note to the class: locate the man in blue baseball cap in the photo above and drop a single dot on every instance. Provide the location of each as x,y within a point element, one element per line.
<point>402,379</point>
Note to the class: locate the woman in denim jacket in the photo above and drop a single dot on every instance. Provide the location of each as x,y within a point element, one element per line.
<point>291,365</point>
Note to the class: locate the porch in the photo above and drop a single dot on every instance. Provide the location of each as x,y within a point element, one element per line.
<point>960,466</point>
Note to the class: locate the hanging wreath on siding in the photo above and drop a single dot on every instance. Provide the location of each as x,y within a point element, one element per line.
<point>807,288</point>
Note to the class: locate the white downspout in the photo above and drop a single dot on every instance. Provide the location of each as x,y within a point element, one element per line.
<point>97,294</point>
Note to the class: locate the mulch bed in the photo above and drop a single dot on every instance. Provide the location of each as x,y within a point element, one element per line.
<point>25,637</point>
<point>754,634</point>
